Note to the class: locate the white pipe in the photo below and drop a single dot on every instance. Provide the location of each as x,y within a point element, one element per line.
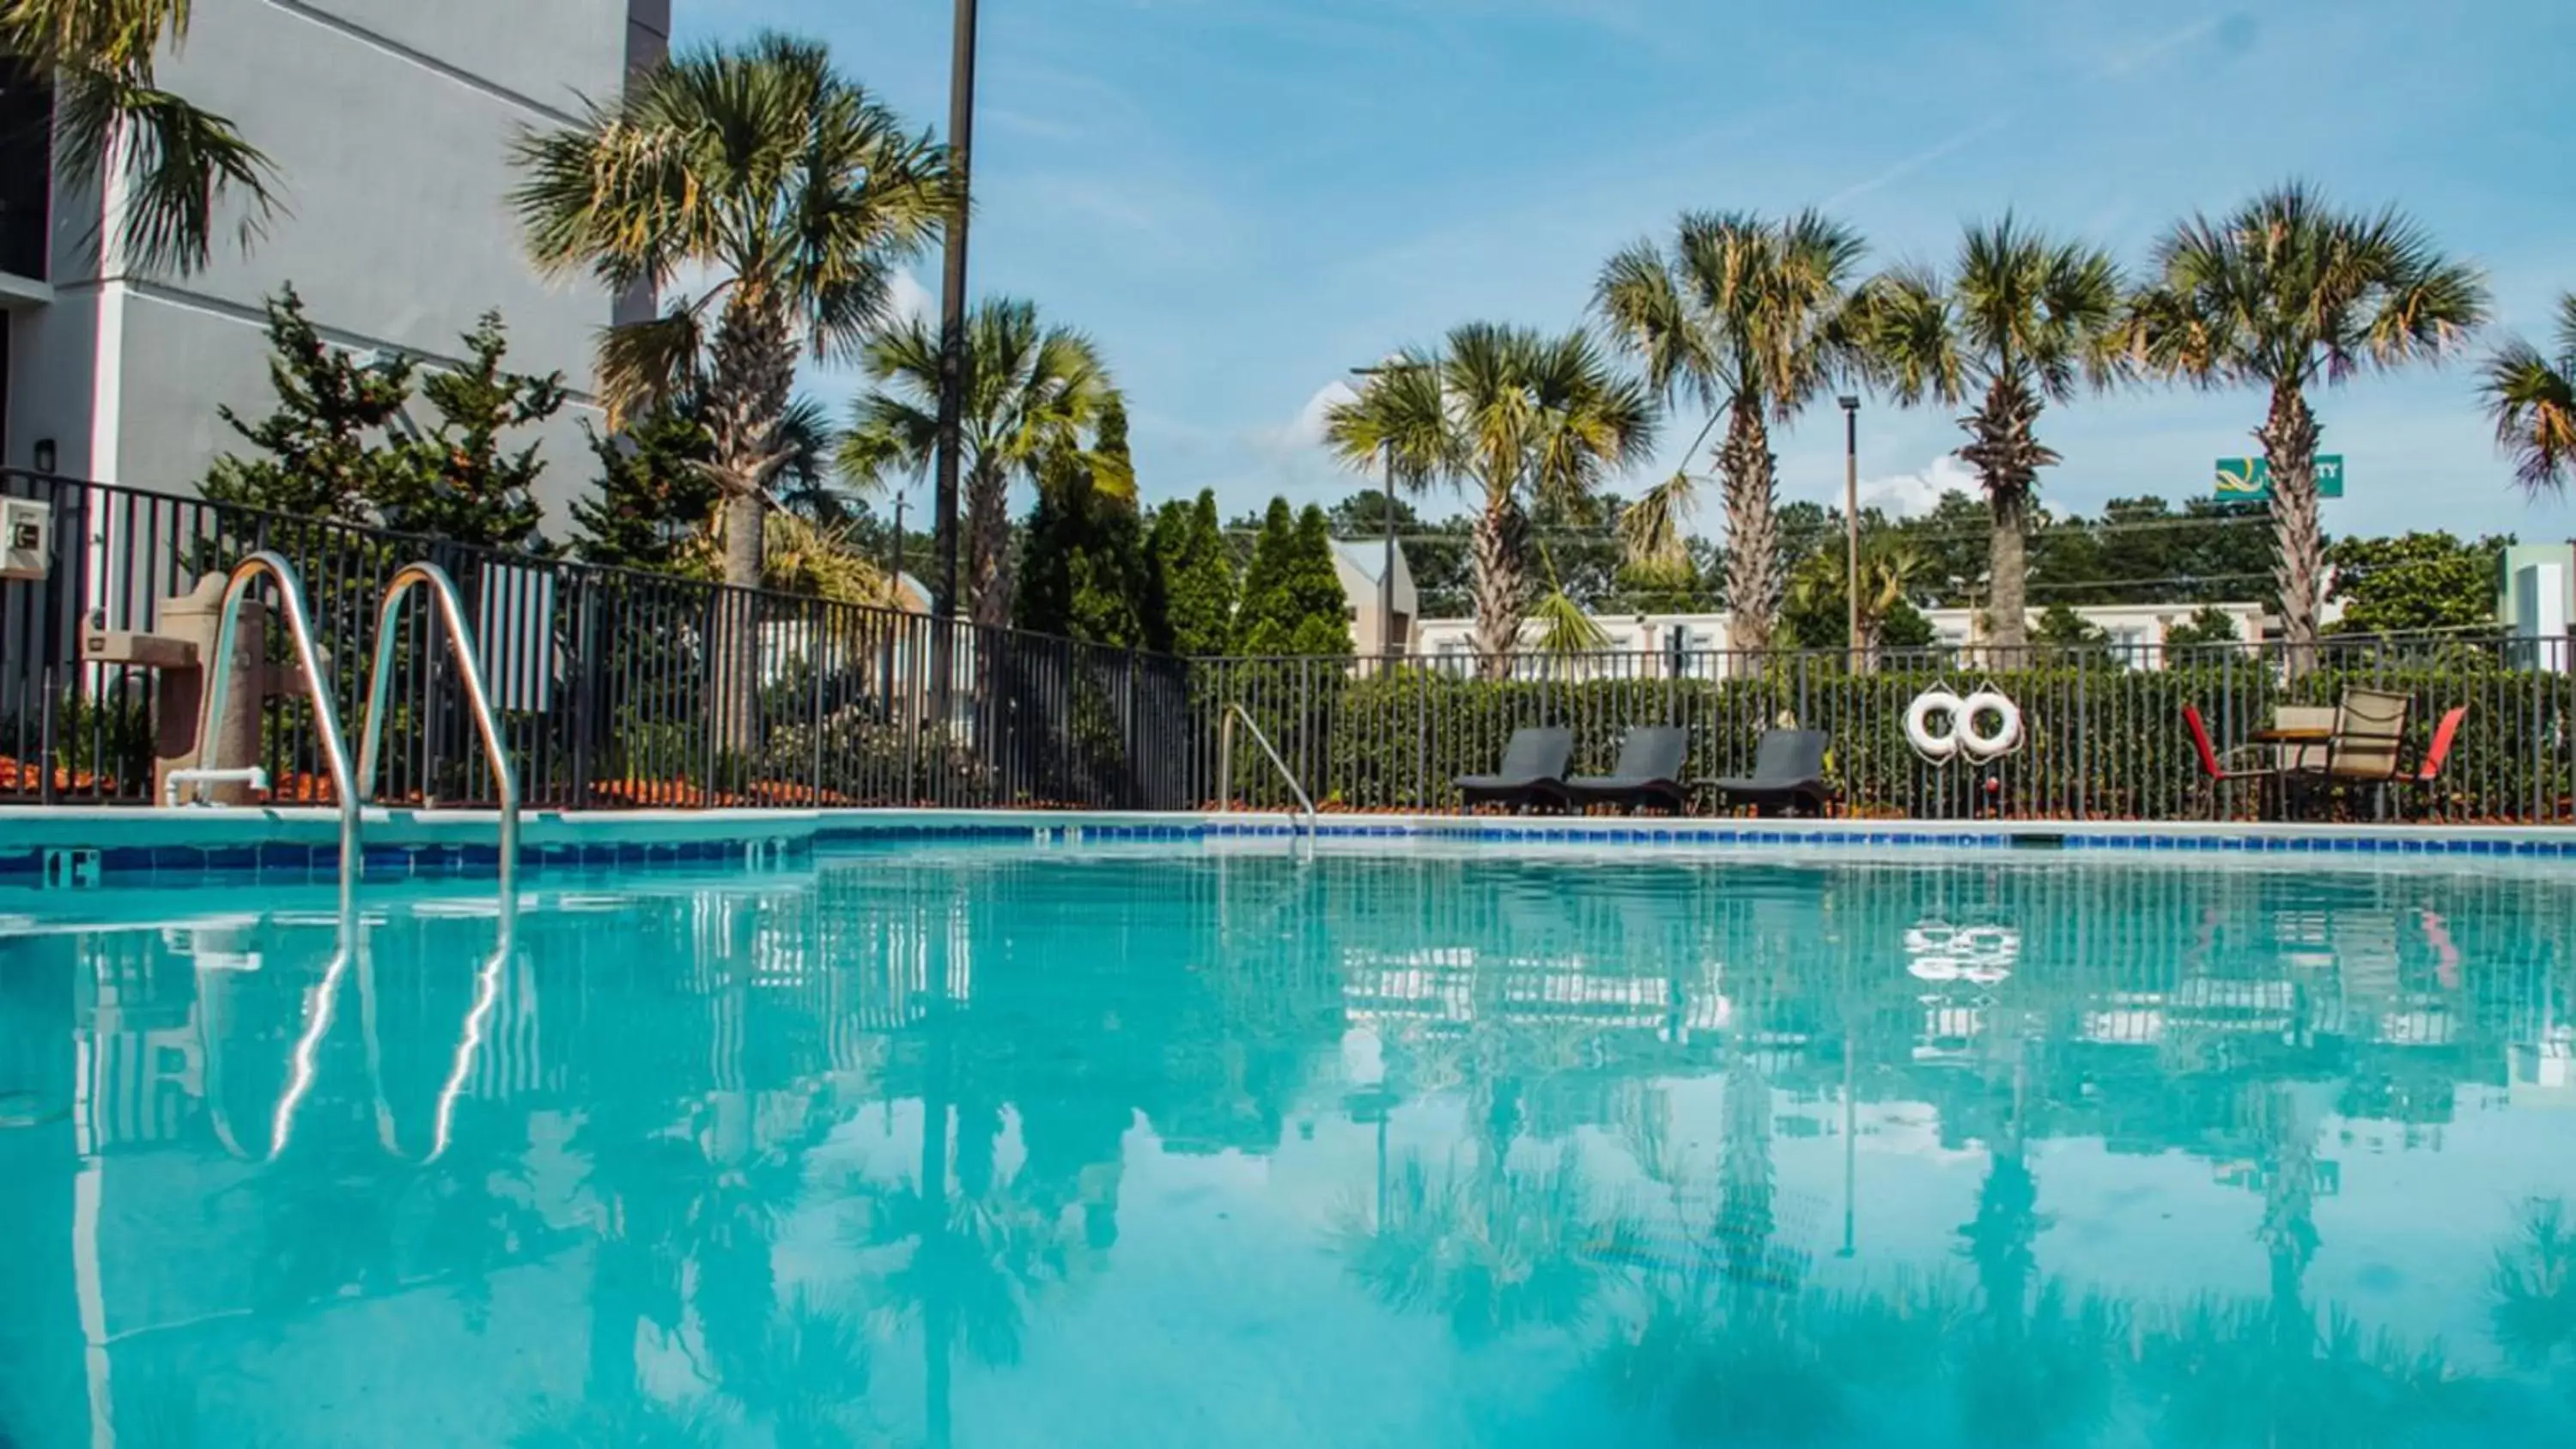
<point>251,775</point>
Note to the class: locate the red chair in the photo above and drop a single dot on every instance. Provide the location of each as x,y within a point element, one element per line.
<point>2437,754</point>
<point>2220,776</point>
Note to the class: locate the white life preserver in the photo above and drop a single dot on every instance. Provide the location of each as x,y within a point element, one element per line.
<point>1918,724</point>
<point>1963,726</point>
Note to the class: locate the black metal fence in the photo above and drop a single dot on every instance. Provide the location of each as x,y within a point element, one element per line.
<point>624,689</point>
<point>2104,739</point>
<point>613,687</point>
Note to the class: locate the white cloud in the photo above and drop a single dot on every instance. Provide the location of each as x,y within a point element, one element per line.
<point>907,299</point>
<point>1306,430</point>
<point>1911,495</point>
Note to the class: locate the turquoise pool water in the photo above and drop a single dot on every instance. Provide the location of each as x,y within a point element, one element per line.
<point>1110,1147</point>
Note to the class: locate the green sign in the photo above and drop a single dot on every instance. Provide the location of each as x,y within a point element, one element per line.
<point>2247,480</point>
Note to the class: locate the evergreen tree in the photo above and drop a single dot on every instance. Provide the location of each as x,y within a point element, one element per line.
<point>1196,569</point>
<point>1293,602</point>
<point>325,456</point>
<point>458,484</point>
<point>654,494</point>
<point>1085,571</point>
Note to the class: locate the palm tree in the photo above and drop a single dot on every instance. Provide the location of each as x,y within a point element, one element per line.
<point>2288,293</point>
<point>2533,402</point>
<point>1746,316</point>
<point>1030,391</point>
<point>1536,423</point>
<point>2024,320</point>
<point>1398,421</point>
<point>768,169</point>
<point>180,164</point>
<point>1890,569</point>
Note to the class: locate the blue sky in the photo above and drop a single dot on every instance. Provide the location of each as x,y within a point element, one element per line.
<point>1240,199</point>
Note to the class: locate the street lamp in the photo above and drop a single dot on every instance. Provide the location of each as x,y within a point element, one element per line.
<point>1388,644</point>
<point>1851,521</point>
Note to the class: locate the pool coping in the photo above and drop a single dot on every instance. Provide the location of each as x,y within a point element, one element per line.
<point>134,845</point>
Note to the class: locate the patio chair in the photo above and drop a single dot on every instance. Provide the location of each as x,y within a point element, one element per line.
<point>1533,772</point>
<point>2216,771</point>
<point>2298,759</point>
<point>1788,772</point>
<point>1649,772</point>
<point>2428,771</point>
<point>2369,728</point>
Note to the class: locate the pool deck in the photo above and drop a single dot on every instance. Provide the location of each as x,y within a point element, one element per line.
<point>172,844</point>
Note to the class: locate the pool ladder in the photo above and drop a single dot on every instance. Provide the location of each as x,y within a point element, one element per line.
<point>354,789</point>
<point>1234,714</point>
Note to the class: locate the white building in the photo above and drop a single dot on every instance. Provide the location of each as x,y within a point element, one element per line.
<point>1661,646</point>
<point>389,122</point>
<point>1362,567</point>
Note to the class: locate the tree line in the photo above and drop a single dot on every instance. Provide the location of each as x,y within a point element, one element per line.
<point>1750,320</point>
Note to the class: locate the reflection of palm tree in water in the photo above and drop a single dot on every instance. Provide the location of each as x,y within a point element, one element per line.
<point>1745,1220</point>
<point>2534,1284</point>
<point>2034,1366</point>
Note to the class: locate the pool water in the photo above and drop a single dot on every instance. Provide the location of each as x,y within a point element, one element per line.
<point>991,1147</point>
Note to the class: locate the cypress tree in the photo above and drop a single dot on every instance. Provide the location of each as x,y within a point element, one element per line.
<point>1293,602</point>
<point>1197,572</point>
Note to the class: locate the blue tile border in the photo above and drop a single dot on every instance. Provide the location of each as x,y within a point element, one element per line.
<point>231,863</point>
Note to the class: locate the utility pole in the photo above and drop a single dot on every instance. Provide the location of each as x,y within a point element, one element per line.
<point>1851,522</point>
<point>1389,645</point>
<point>952,309</point>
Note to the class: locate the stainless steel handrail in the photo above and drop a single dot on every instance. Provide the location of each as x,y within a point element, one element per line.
<point>326,721</point>
<point>1225,764</point>
<point>460,640</point>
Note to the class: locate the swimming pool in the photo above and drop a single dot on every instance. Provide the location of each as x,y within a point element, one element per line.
<point>1228,1143</point>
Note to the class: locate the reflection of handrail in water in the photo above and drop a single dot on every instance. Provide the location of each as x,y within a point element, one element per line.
<point>320,1003</point>
<point>469,1045</point>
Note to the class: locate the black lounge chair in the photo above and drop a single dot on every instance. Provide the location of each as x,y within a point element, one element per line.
<point>1788,772</point>
<point>1649,772</point>
<point>1533,772</point>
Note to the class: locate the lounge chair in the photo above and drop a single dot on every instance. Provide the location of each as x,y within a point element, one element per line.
<point>1533,772</point>
<point>1649,772</point>
<point>1788,772</point>
<point>2217,772</point>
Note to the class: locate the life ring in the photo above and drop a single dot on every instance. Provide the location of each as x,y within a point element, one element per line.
<point>1963,725</point>
<point>1918,724</point>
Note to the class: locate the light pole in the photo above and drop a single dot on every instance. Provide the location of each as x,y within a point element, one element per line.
<point>1388,644</point>
<point>952,308</point>
<point>1851,521</point>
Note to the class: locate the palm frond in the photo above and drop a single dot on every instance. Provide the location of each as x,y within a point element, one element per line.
<point>644,364</point>
<point>2531,399</point>
<point>1563,627</point>
<point>801,556</point>
<point>183,166</point>
<point>1910,336</point>
<point>2288,290</point>
<point>1653,530</point>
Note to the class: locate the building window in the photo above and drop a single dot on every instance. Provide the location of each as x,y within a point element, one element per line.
<point>26,169</point>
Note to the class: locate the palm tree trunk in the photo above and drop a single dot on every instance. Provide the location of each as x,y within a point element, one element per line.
<point>2007,459</point>
<point>2008,565</point>
<point>2289,439</point>
<point>747,393</point>
<point>1500,586</point>
<point>988,532</point>
<point>1753,584</point>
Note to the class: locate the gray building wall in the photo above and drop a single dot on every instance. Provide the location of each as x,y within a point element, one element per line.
<point>390,123</point>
